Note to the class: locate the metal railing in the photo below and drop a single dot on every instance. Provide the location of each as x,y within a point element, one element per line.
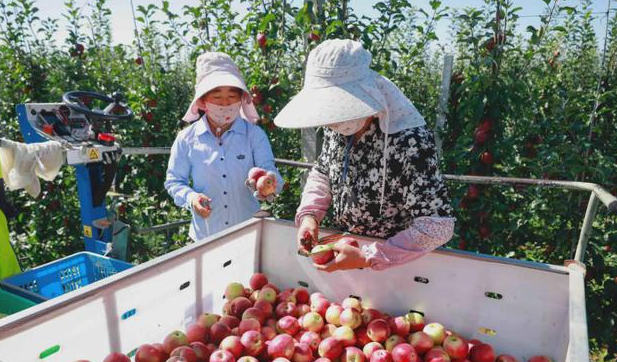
<point>597,194</point>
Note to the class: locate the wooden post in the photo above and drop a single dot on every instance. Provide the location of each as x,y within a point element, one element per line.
<point>442,107</point>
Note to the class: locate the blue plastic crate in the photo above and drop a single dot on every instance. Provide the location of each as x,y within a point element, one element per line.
<point>62,276</point>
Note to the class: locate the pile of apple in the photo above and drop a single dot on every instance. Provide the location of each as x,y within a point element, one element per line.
<point>263,324</point>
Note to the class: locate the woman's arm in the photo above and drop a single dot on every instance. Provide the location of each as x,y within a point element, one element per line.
<point>425,235</point>
<point>178,174</point>
<point>316,197</point>
<point>263,156</point>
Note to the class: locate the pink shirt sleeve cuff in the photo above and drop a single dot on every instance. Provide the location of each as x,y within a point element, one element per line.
<point>424,235</point>
<point>316,197</point>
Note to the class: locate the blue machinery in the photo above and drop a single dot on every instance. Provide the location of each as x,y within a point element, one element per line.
<point>91,149</point>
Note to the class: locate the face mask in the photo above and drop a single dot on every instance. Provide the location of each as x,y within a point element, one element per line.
<point>348,128</point>
<point>223,115</point>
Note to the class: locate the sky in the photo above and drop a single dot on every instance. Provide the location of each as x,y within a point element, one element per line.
<point>122,22</point>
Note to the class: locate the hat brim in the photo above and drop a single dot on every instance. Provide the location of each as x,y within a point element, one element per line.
<point>209,83</point>
<point>314,107</point>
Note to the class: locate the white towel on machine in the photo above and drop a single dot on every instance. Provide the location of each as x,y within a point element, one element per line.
<point>21,164</point>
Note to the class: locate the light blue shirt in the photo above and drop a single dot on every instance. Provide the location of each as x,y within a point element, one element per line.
<point>218,169</point>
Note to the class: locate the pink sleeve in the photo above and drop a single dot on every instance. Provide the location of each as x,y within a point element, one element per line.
<point>423,236</point>
<point>316,197</point>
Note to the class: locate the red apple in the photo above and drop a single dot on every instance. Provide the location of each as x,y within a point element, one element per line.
<point>400,326</point>
<point>222,356</point>
<point>266,185</point>
<point>351,318</point>
<point>197,333</point>
<point>258,280</point>
<point>268,333</point>
<point>333,314</point>
<point>232,344</point>
<point>482,353</point>
<point>313,36</point>
<point>302,353</point>
<point>218,332</point>
<point>371,347</point>
<point>249,325</point>
<point>473,192</point>
<point>416,321</point>
<point>369,314</point>
<point>184,352</point>
<point>281,346</point>
<point>273,287</point>
<point>253,343</point>
<point>421,341</point>
<point>505,358</point>
<point>288,325</point>
<point>230,321</point>
<point>303,309</point>
<point>393,341</point>
<point>322,254</point>
<point>117,357</point>
<point>202,351</point>
<point>233,291</point>
<point>345,335</point>
<point>352,354</point>
<point>313,322</point>
<point>268,294</point>
<point>330,348</point>
<point>312,339</point>
<point>436,354</point>
<point>208,319</point>
<point>320,306</point>
<point>351,302</point>
<point>262,40</point>
<point>362,336</point>
<point>455,346</point>
<point>286,296</point>
<point>486,158</point>
<point>539,359</point>
<point>173,340</point>
<point>256,314</point>
<point>404,352</point>
<point>271,322</point>
<point>265,306</point>
<point>378,330</point>
<point>161,348</point>
<point>248,359</point>
<point>286,309</point>
<point>315,296</point>
<point>327,331</point>
<point>302,295</point>
<point>381,355</point>
<point>239,305</point>
<point>149,353</point>
<point>436,331</point>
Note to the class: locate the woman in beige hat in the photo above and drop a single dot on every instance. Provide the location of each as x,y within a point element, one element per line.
<point>378,167</point>
<point>210,159</point>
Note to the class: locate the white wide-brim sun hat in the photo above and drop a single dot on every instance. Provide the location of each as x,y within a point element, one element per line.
<point>331,93</point>
<point>216,69</point>
<point>339,86</point>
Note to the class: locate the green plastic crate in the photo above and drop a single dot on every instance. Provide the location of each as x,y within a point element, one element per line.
<point>11,303</point>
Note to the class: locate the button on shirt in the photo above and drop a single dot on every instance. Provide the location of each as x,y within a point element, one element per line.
<point>218,169</point>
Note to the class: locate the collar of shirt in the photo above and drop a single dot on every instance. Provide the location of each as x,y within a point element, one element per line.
<point>203,126</point>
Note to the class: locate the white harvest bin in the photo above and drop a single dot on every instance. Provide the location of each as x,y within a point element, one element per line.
<point>522,308</point>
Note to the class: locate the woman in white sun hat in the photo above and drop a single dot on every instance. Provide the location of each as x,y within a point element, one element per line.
<point>210,159</point>
<point>378,167</point>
